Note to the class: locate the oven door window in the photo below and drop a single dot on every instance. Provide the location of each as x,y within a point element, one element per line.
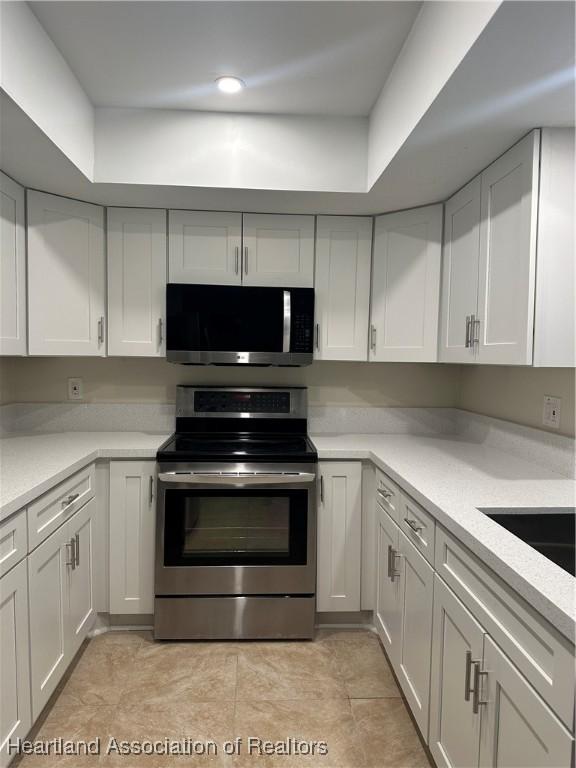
<point>225,527</point>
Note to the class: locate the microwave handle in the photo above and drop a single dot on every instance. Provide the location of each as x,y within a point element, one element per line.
<point>287,322</point>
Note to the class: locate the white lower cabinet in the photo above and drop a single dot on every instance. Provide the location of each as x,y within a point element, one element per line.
<point>81,582</point>
<point>387,597</point>
<point>416,590</point>
<point>339,536</point>
<point>15,714</point>
<point>60,576</point>
<point>518,729</point>
<point>132,528</point>
<point>454,736</point>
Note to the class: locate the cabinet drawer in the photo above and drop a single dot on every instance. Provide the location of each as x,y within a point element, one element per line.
<point>418,525</point>
<point>388,495</point>
<point>48,512</point>
<point>544,657</point>
<point>13,544</point>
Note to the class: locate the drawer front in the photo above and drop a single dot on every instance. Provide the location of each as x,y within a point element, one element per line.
<point>544,657</point>
<point>418,525</point>
<point>387,495</point>
<point>48,512</point>
<point>13,541</point>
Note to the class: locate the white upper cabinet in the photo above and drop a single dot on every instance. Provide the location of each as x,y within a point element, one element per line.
<point>489,281</point>
<point>12,268</point>
<point>460,273</point>
<point>339,536</point>
<point>66,276</point>
<point>204,247</point>
<point>509,207</point>
<point>406,286</point>
<point>555,313</point>
<point>278,250</point>
<point>136,282</point>
<point>343,256</point>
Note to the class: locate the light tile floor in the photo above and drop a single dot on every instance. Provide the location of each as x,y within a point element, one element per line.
<point>337,689</point>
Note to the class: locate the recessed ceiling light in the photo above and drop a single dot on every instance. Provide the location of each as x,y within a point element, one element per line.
<point>230,84</point>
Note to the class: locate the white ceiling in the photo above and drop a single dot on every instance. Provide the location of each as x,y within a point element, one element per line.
<point>325,58</point>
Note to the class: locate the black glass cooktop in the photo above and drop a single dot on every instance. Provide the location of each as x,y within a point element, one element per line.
<point>549,530</point>
<point>235,447</point>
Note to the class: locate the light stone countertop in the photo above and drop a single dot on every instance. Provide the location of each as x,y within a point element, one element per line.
<point>32,464</point>
<point>450,477</point>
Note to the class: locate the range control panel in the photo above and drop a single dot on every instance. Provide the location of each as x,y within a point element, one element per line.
<point>230,401</point>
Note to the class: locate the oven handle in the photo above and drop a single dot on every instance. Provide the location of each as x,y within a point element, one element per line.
<point>261,478</point>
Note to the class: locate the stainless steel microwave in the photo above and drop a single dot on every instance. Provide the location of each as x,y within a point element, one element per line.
<point>239,325</point>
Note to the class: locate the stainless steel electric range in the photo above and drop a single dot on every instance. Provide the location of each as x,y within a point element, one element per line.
<point>236,517</point>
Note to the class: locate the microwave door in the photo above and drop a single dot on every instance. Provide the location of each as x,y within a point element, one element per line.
<point>238,324</point>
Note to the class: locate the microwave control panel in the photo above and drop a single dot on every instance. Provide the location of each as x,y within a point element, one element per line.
<point>228,401</point>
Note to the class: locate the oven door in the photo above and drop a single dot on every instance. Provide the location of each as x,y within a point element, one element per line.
<point>242,530</point>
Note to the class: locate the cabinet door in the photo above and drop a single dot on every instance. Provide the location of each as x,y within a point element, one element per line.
<point>278,250</point>
<point>136,282</point>
<point>406,286</point>
<point>15,712</point>
<point>509,210</point>
<point>460,274</point>
<point>339,536</point>
<point>416,590</point>
<point>66,270</point>
<point>387,611</point>
<point>457,642</point>
<point>48,567</point>
<point>204,247</point>
<point>12,268</point>
<point>82,613</point>
<point>518,730</point>
<point>343,256</point>
<point>132,529</point>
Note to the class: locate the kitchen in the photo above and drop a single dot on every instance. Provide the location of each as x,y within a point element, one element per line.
<point>287,383</point>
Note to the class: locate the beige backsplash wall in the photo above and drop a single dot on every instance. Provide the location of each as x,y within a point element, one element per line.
<point>511,393</point>
<point>145,381</point>
<point>517,393</point>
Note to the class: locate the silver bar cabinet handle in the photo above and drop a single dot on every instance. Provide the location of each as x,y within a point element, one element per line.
<point>478,674</point>
<point>468,323</point>
<point>245,259</point>
<point>317,336</point>
<point>70,546</point>
<point>151,490</point>
<point>77,549</point>
<point>322,488</point>
<point>236,258</point>
<point>69,499</point>
<point>475,331</point>
<point>413,524</point>
<point>390,560</point>
<point>373,337</point>
<point>386,494</point>
<point>160,331</point>
<point>467,676</point>
<point>101,330</point>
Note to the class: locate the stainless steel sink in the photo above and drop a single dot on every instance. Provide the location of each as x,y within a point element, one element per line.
<point>549,530</point>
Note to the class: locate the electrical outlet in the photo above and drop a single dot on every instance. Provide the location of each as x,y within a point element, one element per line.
<point>75,389</point>
<point>551,413</point>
